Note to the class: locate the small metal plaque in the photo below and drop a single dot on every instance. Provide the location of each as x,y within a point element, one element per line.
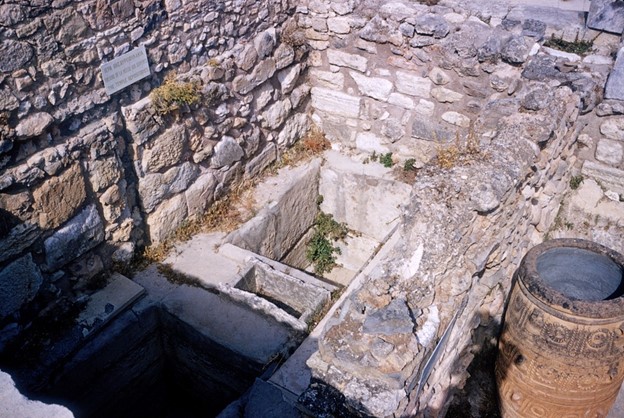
<point>125,70</point>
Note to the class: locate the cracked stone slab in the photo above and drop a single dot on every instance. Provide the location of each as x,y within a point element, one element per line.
<point>606,15</point>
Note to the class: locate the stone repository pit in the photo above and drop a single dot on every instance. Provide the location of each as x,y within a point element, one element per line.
<point>190,338</point>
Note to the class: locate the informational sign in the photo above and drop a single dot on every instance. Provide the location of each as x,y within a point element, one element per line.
<point>125,70</point>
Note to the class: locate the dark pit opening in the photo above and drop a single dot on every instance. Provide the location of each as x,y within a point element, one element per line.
<point>155,366</point>
<point>581,274</point>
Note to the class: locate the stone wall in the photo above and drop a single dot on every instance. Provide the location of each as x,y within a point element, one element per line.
<point>86,179</point>
<point>417,81</point>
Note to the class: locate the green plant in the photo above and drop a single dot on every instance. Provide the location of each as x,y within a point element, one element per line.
<point>575,182</point>
<point>386,160</point>
<point>321,251</point>
<point>576,47</point>
<point>172,95</point>
<point>409,165</point>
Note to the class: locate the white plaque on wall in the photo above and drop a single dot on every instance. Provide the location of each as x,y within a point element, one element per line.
<point>125,70</point>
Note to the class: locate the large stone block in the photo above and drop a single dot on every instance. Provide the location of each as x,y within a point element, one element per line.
<point>154,188</point>
<point>19,283</point>
<point>375,87</point>
<point>199,196</point>
<point>79,235</point>
<point>293,130</point>
<point>335,103</point>
<point>343,59</point>
<point>104,173</point>
<point>412,84</point>
<point>33,125</point>
<point>276,114</point>
<point>610,177</point>
<point>168,217</point>
<point>165,150</point>
<point>57,199</point>
<point>226,152</point>
<point>615,83</point>
<point>17,240</point>
<point>606,15</point>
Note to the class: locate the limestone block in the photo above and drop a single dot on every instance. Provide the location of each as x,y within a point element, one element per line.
<point>14,55</point>
<point>265,42</point>
<point>7,100</point>
<point>274,117</point>
<point>79,235</point>
<point>615,83</point>
<point>284,56</point>
<point>339,25</point>
<point>19,283</point>
<point>57,199</point>
<point>412,84</point>
<point>226,152</point>
<point>33,125</point>
<point>298,94</point>
<point>10,14</point>
<point>438,76</point>
<point>17,240</point>
<point>606,15</point>
<point>139,120</point>
<point>288,78</point>
<point>609,151</point>
<point>610,177</point>
<point>375,87</point>
<point>444,95</point>
<point>425,108</point>
<point>335,103</point>
<point>247,58</point>
<point>154,188</point>
<point>343,59</point>
<point>401,100</point>
<point>165,150</point>
<point>429,130</point>
<point>515,50</point>
<point>168,217</point>
<point>613,128</point>
<point>363,210</point>
<point>327,79</point>
<point>376,30</point>
<point>261,161</point>
<point>369,142</point>
<point>294,129</point>
<point>394,318</point>
<point>431,24</point>
<point>289,208</point>
<point>457,119</point>
<point>393,129</point>
<point>199,195</point>
<point>104,173</point>
<point>263,95</point>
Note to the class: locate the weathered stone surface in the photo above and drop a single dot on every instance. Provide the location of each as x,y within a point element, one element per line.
<point>369,142</point>
<point>154,188</point>
<point>610,107</point>
<point>274,116</point>
<point>294,129</point>
<point>376,30</point>
<point>247,58</point>
<point>335,102</point>
<point>392,319</point>
<point>57,199</point>
<point>168,217</point>
<point>401,100</point>
<point>265,42</point>
<point>606,15</point>
<point>288,210</point>
<point>615,83</point>
<point>537,99</point>
<point>339,25</point>
<point>613,128</point>
<point>33,125</point>
<point>261,161</point>
<point>7,100</point>
<point>79,235</point>
<point>484,198</point>
<point>515,50</point>
<point>609,152</point>
<point>226,152</point>
<point>10,14</point>
<point>284,56</point>
<point>438,76</point>
<point>343,59</point>
<point>430,131</point>
<point>431,24</point>
<point>375,87</point>
<point>413,85</point>
<point>104,173</point>
<point>288,78</point>
<point>444,95</point>
<point>393,129</point>
<point>19,283</point>
<point>14,55</point>
<point>609,177</point>
<point>457,119</point>
<point>425,107</point>
<point>164,150</point>
<point>199,195</point>
<point>328,79</point>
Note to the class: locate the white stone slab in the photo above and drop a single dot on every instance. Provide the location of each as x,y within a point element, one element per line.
<point>124,70</point>
<point>105,304</point>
